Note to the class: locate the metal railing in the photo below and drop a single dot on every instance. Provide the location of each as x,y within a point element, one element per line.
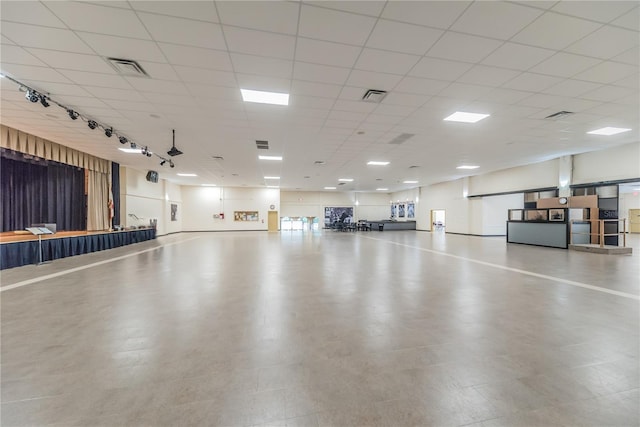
<point>601,234</point>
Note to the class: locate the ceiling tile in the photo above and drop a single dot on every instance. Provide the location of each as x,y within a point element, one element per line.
<point>345,27</point>
<point>605,43</point>
<point>631,56</point>
<point>601,11</point>
<point>488,76</point>
<point>438,14</point>
<point>315,89</point>
<point>440,69</point>
<point>607,72</point>
<point>120,47</point>
<point>257,82</point>
<point>420,86</point>
<point>371,80</point>
<point>460,47</point>
<point>96,79</point>
<point>394,110</point>
<point>495,19</point>
<point>183,31</point>
<point>169,99</point>
<point>357,106</point>
<point>98,19</point>
<point>105,93</point>
<point>44,37</point>
<point>82,101</point>
<point>565,65</point>
<point>198,10</point>
<point>259,43</point>
<point>261,65</point>
<point>278,17</point>
<point>630,82</point>
<point>128,105</point>
<point>555,31</point>
<point>385,61</point>
<point>326,53</point>
<point>504,96</point>
<point>406,99</point>
<point>371,8</point>
<point>197,57</point>
<point>61,89</point>
<point>30,12</point>
<point>320,73</point>
<point>401,37</point>
<point>159,71</point>
<point>29,72</point>
<point>464,91</point>
<point>206,76</point>
<point>73,61</point>
<point>10,54</point>
<point>517,57</point>
<point>544,101</point>
<point>630,20</point>
<point>159,86</point>
<point>347,115</point>
<point>571,88</point>
<point>324,104</point>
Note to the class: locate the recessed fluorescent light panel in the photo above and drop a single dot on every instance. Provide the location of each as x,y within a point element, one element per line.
<point>382,189</point>
<point>468,167</point>
<point>345,179</point>
<point>131,150</point>
<point>329,188</point>
<point>461,116</point>
<point>273,186</point>
<point>270,157</point>
<point>376,163</point>
<point>261,97</point>
<point>410,182</point>
<point>608,131</point>
<point>187,174</point>
<point>271,177</point>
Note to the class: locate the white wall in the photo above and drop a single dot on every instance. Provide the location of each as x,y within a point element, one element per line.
<point>622,162</point>
<point>200,204</point>
<point>537,175</point>
<point>627,201</point>
<point>405,196</point>
<point>148,200</point>
<point>449,197</point>
<point>373,206</point>
<point>495,212</point>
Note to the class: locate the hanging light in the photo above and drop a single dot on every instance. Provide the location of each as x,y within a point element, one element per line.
<point>92,124</point>
<point>43,101</point>
<point>72,114</point>
<point>32,95</point>
<point>108,132</point>
<point>123,140</point>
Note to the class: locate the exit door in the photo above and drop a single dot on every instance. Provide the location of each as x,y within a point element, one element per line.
<point>272,222</point>
<point>634,220</point>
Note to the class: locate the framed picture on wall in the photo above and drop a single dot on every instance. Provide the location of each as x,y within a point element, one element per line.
<point>338,214</point>
<point>556,215</point>
<point>411,210</point>
<point>401,210</point>
<point>245,215</point>
<point>174,212</point>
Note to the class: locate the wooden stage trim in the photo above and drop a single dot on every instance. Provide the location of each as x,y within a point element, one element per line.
<point>25,236</point>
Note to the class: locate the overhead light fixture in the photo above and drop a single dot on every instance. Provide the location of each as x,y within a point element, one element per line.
<point>608,131</point>
<point>72,114</point>
<point>271,177</point>
<point>273,186</point>
<point>123,140</point>
<point>270,157</point>
<point>461,116</point>
<point>382,189</point>
<point>329,188</point>
<point>171,164</point>
<point>410,182</point>
<point>133,144</point>
<point>32,95</point>
<point>174,151</point>
<point>468,167</point>
<point>345,179</point>
<point>208,185</point>
<point>108,132</point>
<point>261,97</point>
<point>187,174</point>
<point>43,101</point>
<point>376,163</point>
<point>163,162</point>
<point>131,150</point>
<point>92,124</point>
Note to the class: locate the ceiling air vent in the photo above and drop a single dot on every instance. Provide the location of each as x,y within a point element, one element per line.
<point>374,95</point>
<point>262,145</point>
<point>401,138</point>
<point>217,157</point>
<point>341,183</point>
<point>413,167</point>
<point>127,67</point>
<point>559,115</point>
<point>319,162</point>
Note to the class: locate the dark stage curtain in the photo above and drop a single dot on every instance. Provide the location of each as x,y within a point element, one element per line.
<point>41,192</point>
<point>115,190</point>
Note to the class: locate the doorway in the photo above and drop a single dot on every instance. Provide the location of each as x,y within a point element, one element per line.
<point>634,220</point>
<point>437,220</point>
<point>272,223</point>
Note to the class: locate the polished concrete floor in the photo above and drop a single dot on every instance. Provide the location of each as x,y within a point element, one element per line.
<point>324,329</point>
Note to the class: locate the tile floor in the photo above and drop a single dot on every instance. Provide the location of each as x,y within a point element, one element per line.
<point>324,329</point>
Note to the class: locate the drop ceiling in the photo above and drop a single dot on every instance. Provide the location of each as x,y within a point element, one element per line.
<point>517,61</point>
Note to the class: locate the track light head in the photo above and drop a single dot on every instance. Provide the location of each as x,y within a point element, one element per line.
<point>43,101</point>
<point>133,144</point>
<point>72,114</point>
<point>108,132</point>
<point>163,162</point>
<point>171,164</point>
<point>32,95</point>
<point>92,124</point>
<point>123,140</point>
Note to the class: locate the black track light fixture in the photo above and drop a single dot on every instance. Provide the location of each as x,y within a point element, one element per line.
<point>108,132</point>
<point>171,164</point>
<point>32,95</point>
<point>72,114</point>
<point>92,124</point>
<point>123,140</point>
<point>133,145</point>
<point>43,101</point>
<point>163,162</point>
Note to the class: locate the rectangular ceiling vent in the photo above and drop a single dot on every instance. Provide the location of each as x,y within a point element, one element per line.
<point>413,167</point>
<point>341,183</point>
<point>401,138</point>
<point>262,145</point>
<point>319,162</point>
<point>559,115</point>
<point>374,95</point>
<point>217,157</point>
<point>127,67</point>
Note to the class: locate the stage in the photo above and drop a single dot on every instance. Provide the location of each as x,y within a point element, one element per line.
<point>22,249</point>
